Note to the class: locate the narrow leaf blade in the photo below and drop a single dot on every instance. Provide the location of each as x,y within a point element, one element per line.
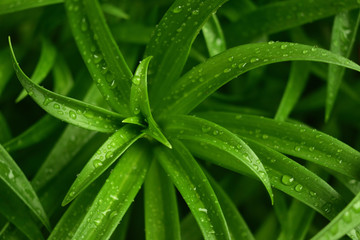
<point>204,79</point>
<point>193,185</point>
<point>161,212</point>
<point>117,194</point>
<point>8,6</point>
<point>197,129</point>
<point>106,155</point>
<point>214,37</point>
<point>67,109</point>
<point>12,175</point>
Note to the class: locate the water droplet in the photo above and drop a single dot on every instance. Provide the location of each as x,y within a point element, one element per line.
<point>47,101</point>
<point>230,59</point>
<point>136,80</point>
<point>287,180</point>
<point>205,129</point>
<point>313,49</point>
<point>136,111</point>
<point>313,194</point>
<point>327,207</point>
<point>311,149</point>
<point>356,207</point>
<point>97,163</point>
<point>253,60</point>
<point>347,217</point>
<point>177,9</point>
<point>299,188</point>
<point>11,174</point>
<point>305,51</point>
<point>113,214</point>
<point>283,46</point>
<point>298,148</point>
<point>264,136</point>
<point>195,12</point>
<point>203,210</point>
<point>334,229</point>
<point>215,132</point>
<point>56,106</point>
<point>109,154</point>
<point>72,114</point>
<point>83,25</point>
<point>271,42</point>
<point>227,70</point>
<point>97,58</point>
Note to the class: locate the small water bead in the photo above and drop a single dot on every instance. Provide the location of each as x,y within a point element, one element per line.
<point>83,25</point>
<point>113,214</point>
<point>298,148</point>
<point>72,114</point>
<point>205,129</point>
<point>299,187</point>
<point>287,180</point>
<point>109,155</point>
<point>283,46</point>
<point>313,49</point>
<point>136,111</point>
<point>230,59</point>
<point>254,60</point>
<point>203,210</point>
<point>305,51</point>
<point>97,58</point>
<point>97,163</point>
<point>47,101</point>
<point>264,136</point>
<point>226,70</point>
<point>56,106</point>
<point>271,42</point>
<point>347,217</point>
<point>215,132</point>
<point>334,229</point>
<point>311,149</point>
<point>177,9</point>
<point>327,207</point>
<point>136,80</point>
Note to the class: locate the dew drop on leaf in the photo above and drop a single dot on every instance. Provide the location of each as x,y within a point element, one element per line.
<point>97,163</point>
<point>72,114</point>
<point>299,188</point>
<point>287,180</point>
<point>253,60</point>
<point>347,217</point>
<point>178,9</point>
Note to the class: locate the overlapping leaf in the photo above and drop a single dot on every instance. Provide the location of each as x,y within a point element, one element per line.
<point>214,36</point>
<point>139,102</point>
<point>9,6</point>
<point>198,83</point>
<point>197,129</point>
<point>196,190</point>
<point>106,155</point>
<point>116,195</point>
<point>14,178</point>
<point>67,109</point>
<point>342,41</point>
<point>161,211</point>
<point>293,139</point>
<point>100,53</point>
<point>171,42</point>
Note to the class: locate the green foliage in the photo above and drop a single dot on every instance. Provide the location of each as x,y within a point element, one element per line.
<point>135,96</point>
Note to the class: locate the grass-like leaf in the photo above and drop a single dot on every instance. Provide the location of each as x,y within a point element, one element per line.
<point>72,218</point>
<point>198,83</point>
<point>9,6</point>
<point>196,190</point>
<point>5,69</point>
<point>343,223</point>
<point>106,155</point>
<point>161,211</point>
<point>13,177</point>
<point>343,37</point>
<point>140,104</point>
<point>67,109</point>
<point>293,139</point>
<point>4,130</point>
<point>214,36</point>
<point>182,23</point>
<point>299,74</point>
<point>285,175</point>
<point>36,133</point>
<point>63,80</point>
<point>43,67</point>
<point>18,214</point>
<point>100,54</point>
<point>116,195</point>
<point>203,131</point>
<point>237,225</point>
<point>279,16</point>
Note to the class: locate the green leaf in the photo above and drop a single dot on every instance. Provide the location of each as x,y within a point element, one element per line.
<point>63,80</point>
<point>34,134</point>
<point>18,214</point>
<point>299,74</point>
<point>114,10</point>
<point>292,139</point>
<point>237,225</point>
<point>13,177</point>
<point>71,141</point>
<point>206,132</point>
<point>104,157</point>
<point>171,42</point>
<point>299,218</point>
<point>8,6</point>
<point>43,67</point>
<point>194,187</point>
<point>139,102</point>
<point>214,36</point>
<point>200,82</point>
<point>5,68</point>
<point>342,41</point>
<point>68,109</point>
<point>343,223</point>
<point>116,195</point>
<point>74,215</point>
<point>161,212</point>
<point>100,53</point>
<point>279,16</point>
